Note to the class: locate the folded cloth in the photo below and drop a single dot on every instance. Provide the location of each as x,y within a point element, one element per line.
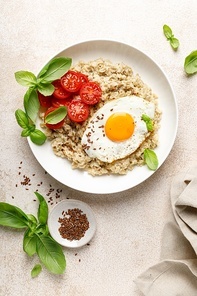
<point>176,273</point>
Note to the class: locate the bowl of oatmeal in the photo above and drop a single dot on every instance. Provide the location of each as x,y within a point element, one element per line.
<point>124,74</point>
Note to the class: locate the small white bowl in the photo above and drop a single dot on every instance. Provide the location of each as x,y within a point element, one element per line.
<point>54,225</point>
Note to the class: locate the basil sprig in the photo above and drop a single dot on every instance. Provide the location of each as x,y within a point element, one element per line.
<point>174,42</point>
<point>37,239</point>
<point>29,128</point>
<point>190,64</point>
<point>151,159</point>
<point>53,70</point>
<point>148,121</point>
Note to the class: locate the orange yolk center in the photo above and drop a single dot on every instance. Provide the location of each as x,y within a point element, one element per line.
<point>119,126</point>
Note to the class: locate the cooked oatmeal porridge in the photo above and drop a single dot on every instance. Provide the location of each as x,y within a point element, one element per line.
<point>116,81</point>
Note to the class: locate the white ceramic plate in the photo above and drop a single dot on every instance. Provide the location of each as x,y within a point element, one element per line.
<point>54,225</point>
<point>152,75</point>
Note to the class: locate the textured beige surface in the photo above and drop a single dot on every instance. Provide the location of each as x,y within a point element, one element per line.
<point>176,273</point>
<point>130,223</point>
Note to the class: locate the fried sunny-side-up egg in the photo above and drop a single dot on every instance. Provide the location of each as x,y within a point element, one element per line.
<point>117,129</point>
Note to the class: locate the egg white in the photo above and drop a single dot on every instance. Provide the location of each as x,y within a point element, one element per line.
<point>95,142</point>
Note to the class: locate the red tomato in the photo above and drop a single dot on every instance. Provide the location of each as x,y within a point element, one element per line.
<point>76,98</point>
<point>53,126</point>
<point>45,101</point>
<point>59,92</point>
<point>57,103</point>
<point>78,111</point>
<point>90,93</point>
<point>83,77</point>
<point>71,81</point>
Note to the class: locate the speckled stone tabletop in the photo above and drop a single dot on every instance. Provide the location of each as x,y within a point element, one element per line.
<point>129,223</point>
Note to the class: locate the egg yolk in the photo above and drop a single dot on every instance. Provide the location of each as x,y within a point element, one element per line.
<point>119,126</point>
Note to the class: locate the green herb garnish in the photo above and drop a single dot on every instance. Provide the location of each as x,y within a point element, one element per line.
<point>53,70</point>
<point>36,270</point>
<point>148,121</point>
<point>174,42</point>
<point>29,128</point>
<point>37,239</point>
<point>56,116</point>
<point>151,159</point>
<point>190,64</point>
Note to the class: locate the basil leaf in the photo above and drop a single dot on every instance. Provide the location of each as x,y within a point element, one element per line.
<point>51,254</point>
<point>31,104</point>
<point>148,121</point>
<point>36,270</point>
<point>38,137</point>
<point>29,243</point>
<point>42,229</point>
<point>167,31</point>
<point>32,218</point>
<point>46,89</point>
<point>190,64</point>
<point>12,216</point>
<point>56,116</point>
<point>55,69</point>
<point>22,118</point>
<point>26,132</point>
<point>43,209</point>
<point>174,42</point>
<point>150,159</point>
<point>26,78</point>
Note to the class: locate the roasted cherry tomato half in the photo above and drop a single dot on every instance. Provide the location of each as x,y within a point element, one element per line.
<point>78,111</point>
<point>83,77</point>
<point>53,126</point>
<point>57,103</point>
<point>45,101</point>
<point>59,92</point>
<point>90,93</point>
<point>76,98</point>
<point>71,81</point>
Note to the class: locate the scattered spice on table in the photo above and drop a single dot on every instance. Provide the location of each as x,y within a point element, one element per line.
<point>54,195</point>
<point>74,224</point>
<point>26,181</point>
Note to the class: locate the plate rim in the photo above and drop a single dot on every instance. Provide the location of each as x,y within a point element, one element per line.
<point>111,191</point>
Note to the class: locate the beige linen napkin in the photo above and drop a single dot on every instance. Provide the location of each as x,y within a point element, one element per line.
<point>176,273</point>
